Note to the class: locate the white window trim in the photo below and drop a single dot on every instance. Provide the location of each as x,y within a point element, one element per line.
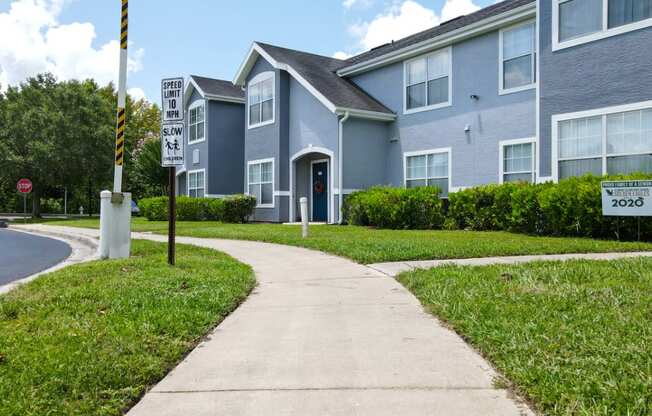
<point>604,33</point>
<point>501,162</point>
<point>601,112</point>
<point>188,173</point>
<point>501,63</point>
<point>448,103</point>
<point>440,150</point>
<point>257,162</point>
<point>263,76</point>
<point>198,103</point>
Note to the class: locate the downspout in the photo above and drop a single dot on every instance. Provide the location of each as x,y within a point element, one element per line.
<point>340,152</point>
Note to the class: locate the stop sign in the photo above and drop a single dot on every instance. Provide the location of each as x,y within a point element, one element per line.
<point>24,186</point>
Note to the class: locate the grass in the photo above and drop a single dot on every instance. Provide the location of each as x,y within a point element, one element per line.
<point>368,245</point>
<point>89,339</point>
<point>573,337</point>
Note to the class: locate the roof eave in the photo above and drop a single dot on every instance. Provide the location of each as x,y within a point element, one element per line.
<point>486,25</point>
<point>369,115</point>
<point>224,98</point>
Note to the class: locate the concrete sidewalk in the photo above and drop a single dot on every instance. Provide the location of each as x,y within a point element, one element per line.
<point>321,335</point>
<point>396,268</point>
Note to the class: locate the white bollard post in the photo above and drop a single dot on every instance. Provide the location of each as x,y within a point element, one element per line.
<point>105,223</point>
<point>304,216</point>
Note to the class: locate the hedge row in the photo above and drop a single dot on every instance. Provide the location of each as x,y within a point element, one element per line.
<point>572,207</point>
<point>416,208</point>
<point>232,209</point>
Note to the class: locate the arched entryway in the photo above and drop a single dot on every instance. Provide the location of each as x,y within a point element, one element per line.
<point>311,176</point>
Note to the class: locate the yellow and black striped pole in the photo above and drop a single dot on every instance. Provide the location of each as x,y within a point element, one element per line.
<point>122,99</point>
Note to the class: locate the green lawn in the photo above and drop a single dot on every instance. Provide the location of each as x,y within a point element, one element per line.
<point>89,339</point>
<point>575,337</point>
<point>367,245</point>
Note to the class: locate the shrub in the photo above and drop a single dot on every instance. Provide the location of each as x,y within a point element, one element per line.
<point>236,208</point>
<point>397,208</point>
<point>481,208</point>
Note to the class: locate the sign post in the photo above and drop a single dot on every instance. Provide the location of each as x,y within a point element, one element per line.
<point>172,152</point>
<point>627,199</point>
<point>24,186</point>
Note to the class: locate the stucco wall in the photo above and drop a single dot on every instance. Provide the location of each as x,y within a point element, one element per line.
<point>201,146</point>
<point>492,118</point>
<point>226,147</point>
<point>603,73</point>
<point>365,147</point>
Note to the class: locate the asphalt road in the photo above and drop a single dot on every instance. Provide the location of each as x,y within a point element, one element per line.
<point>22,255</point>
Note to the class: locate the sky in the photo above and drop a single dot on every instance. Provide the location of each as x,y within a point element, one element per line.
<point>77,39</point>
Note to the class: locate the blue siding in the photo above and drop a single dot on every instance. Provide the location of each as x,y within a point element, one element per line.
<point>271,141</point>
<point>492,118</point>
<point>226,148</point>
<point>201,146</point>
<point>365,153</point>
<point>598,74</point>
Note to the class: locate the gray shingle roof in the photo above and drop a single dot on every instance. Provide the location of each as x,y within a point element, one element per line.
<point>220,87</point>
<point>319,71</point>
<point>445,27</point>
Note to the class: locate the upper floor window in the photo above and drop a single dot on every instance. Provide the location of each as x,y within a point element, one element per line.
<point>428,81</point>
<point>606,142</point>
<point>579,21</point>
<point>517,58</point>
<point>429,168</point>
<point>196,123</point>
<point>261,99</point>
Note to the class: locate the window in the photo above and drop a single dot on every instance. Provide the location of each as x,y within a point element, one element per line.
<point>613,142</point>
<point>517,160</point>
<point>196,183</point>
<point>196,123</point>
<point>579,21</point>
<point>427,81</point>
<point>261,182</point>
<point>428,169</point>
<point>623,12</point>
<point>261,100</point>
<point>518,57</point>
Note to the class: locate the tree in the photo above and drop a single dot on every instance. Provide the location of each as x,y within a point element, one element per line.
<point>58,134</point>
<point>148,178</point>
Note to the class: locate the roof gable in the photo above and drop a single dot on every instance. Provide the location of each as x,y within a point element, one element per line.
<point>317,74</point>
<point>214,89</point>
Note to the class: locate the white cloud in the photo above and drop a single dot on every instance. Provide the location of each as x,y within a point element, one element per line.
<point>137,94</point>
<point>348,4</point>
<point>33,41</point>
<point>341,55</point>
<point>397,22</point>
<point>400,20</point>
<point>456,8</point>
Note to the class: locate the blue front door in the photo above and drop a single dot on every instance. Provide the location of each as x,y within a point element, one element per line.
<point>320,191</point>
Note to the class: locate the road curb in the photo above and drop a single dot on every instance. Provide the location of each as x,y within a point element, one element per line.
<point>84,249</point>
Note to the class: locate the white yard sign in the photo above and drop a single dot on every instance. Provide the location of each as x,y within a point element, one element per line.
<point>627,198</point>
<point>172,95</point>
<point>172,145</point>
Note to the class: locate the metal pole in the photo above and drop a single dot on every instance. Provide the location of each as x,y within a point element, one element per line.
<point>25,208</point>
<point>122,99</point>
<point>65,201</point>
<point>172,217</point>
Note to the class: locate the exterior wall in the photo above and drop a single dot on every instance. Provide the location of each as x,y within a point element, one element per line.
<point>366,145</point>
<point>311,125</point>
<point>593,75</point>
<point>201,146</point>
<point>492,118</point>
<point>182,183</point>
<point>226,148</point>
